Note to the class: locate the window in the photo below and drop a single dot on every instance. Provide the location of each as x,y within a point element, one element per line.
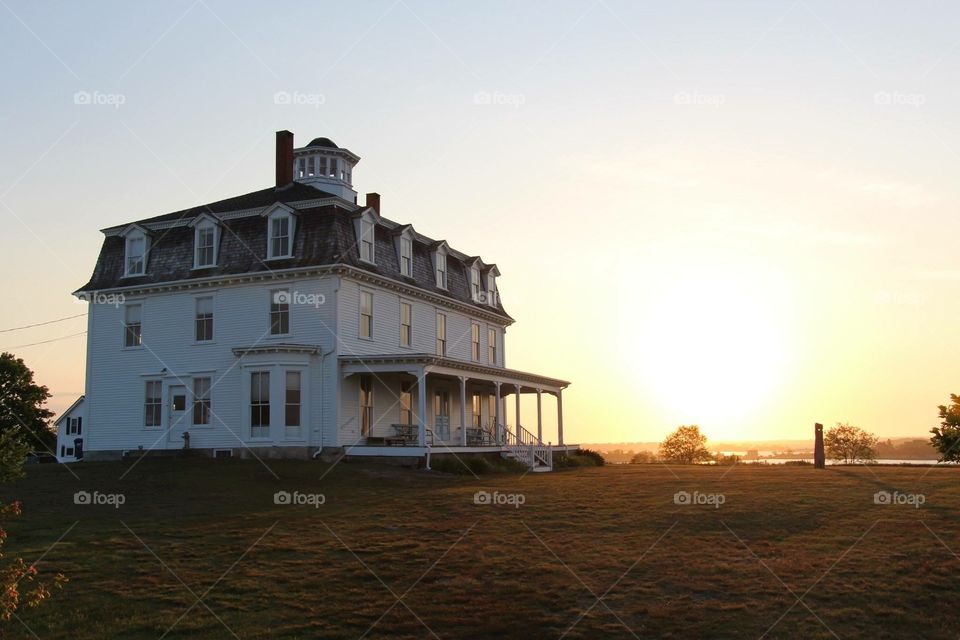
<point>204,319</point>
<point>492,410</point>
<point>301,168</point>
<point>406,319</point>
<point>475,283</point>
<point>136,258</point>
<point>279,240</point>
<point>441,334</point>
<point>366,240</point>
<point>322,166</point>
<point>476,415</point>
<point>201,401</point>
<point>152,403</point>
<point>406,257</point>
<point>442,270</point>
<point>73,426</point>
<point>132,335</point>
<point>333,167</point>
<point>492,288</point>
<point>206,238</point>
<point>475,342</point>
<point>366,315</point>
<point>310,170</point>
<point>260,404</point>
<point>279,312</point>
<point>406,404</point>
<point>291,406</point>
<point>366,405</point>
<point>491,345</point>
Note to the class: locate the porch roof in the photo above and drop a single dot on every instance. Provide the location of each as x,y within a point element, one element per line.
<point>439,364</point>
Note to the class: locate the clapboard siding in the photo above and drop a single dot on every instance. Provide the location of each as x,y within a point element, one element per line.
<point>386,326</point>
<point>169,352</point>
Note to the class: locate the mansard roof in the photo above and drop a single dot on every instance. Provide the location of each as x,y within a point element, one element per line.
<point>324,235</point>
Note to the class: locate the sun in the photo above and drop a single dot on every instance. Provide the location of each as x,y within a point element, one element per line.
<point>712,344</point>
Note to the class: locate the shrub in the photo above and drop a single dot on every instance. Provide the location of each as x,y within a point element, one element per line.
<point>595,455</point>
<point>579,458</point>
<point>644,457</point>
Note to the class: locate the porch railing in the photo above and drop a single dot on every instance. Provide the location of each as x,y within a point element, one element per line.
<point>527,447</point>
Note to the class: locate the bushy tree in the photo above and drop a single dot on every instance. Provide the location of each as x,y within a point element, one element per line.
<point>946,437</point>
<point>685,445</point>
<point>19,584</point>
<point>22,404</point>
<point>849,443</point>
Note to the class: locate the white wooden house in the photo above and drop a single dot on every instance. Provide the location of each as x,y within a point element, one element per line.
<point>70,427</point>
<point>291,320</point>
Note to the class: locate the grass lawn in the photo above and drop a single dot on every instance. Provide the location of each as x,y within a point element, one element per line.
<point>403,553</point>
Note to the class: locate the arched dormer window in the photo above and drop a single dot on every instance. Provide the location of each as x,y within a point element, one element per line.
<point>365,225</point>
<point>281,224</point>
<point>136,250</point>
<point>403,238</point>
<point>440,267</point>
<point>206,241</point>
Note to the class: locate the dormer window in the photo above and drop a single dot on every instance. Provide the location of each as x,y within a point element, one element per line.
<point>441,261</point>
<point>280,228</point>
<point>136,249</point>
<point>205,254</point>
<point>406,257</point>
<point>136,255</point>
<point>366,241</point>
<point>475,283</point>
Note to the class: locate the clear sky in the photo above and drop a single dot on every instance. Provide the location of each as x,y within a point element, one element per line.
<point>739,214</point>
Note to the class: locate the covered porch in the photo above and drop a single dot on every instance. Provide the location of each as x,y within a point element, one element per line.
<point>408,404</point>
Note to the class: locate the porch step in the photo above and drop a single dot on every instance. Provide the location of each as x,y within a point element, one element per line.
<point>541,468</point>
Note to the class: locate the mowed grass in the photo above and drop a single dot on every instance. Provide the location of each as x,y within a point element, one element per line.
<point>200,550</point>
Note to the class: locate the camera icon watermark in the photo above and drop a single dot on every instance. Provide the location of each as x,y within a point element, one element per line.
<point>685,498</point>
<point>897,99</point>
<point>95,498</point>
<point>297,98</point>
<point>915,500</point>
<point>298,499</point>
<point>695,98</point>
<point>97,98</point>
<point>97,297</point>
<point>515,500</point>
<point>485,297</point>
<point>498,98</point>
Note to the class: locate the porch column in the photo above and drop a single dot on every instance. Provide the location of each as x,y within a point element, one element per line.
<point>517,425</point>
<point>463,411</point>
<point>497,420</point>
<point>422,406</point>
<point>539,416</point>
<point>560,415</point>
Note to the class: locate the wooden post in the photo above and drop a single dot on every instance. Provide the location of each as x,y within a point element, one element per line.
<point>559,417</point>
<point>463,411</point>
<point>539,417</point>
<point>498,419</point>
<point>819,458</point>
<point>422,407</point>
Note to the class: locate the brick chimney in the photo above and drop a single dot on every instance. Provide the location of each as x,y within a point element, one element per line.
<point>373,200</point>
<point>284,158</point>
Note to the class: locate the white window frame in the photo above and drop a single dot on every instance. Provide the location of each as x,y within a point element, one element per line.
<point>475,341</point>
<point>148,406</point>
<point>475,284</point>
<point>281,299</point>
<point>365,326</point>
<point>406,256</point>
<point>127,324</point>
<point>406,328</point>
<point>197,319</point>
<point>278,217</point>
<point>368,241</point>
<point>441,269</point>
<point>441,334</point>
<point>200,400</point>
<point>260,403</point>
<point>198,232</point>
<point>293,431</point>
<point>491,346</point>
<point>366,405</point>
<point>128,257</point>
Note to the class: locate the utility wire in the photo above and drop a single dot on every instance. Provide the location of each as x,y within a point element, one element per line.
<point>40,324</point>
<point>32,344</point>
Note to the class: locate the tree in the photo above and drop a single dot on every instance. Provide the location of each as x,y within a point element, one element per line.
<point>946,438</point>
<point>685,445</point>
<point>22,404</point>
<point>644,457</point>
<point>19,584</point>
<point>849,443</point>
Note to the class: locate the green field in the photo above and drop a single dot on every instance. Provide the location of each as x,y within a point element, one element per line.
<point>791,553</point>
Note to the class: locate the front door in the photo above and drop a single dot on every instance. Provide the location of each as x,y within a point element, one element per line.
<point>441,414</point>
<point>178,414</point>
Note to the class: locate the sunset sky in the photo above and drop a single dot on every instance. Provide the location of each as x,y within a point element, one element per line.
<point>736,214</point>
